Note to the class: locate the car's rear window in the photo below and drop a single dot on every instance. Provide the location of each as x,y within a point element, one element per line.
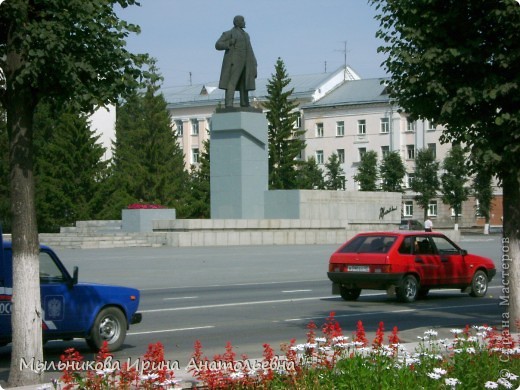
<point>369,244</point>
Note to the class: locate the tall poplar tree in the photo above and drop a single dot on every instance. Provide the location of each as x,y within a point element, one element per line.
<point>335,175</point>
<point>310,175</point>
<point>392,171</point>
<point>426,179</point>
<point>453,180</point>
<point>70,51</point>
<point>285,141</point>
<point>367,172</point>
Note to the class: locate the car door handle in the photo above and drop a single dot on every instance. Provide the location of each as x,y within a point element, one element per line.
<point>419,260</point>
<point>445,259</point>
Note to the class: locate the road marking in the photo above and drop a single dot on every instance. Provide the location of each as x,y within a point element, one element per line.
<point>235,304</point>
<point>295,291</point>
<point>387,312</point>
<point>236,284</point>
<point>171,299</point>
<point>169,330</point>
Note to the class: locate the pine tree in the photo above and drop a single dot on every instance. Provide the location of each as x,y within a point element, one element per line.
<point>426,179</point>
<point>199,204</point>
<point>310,175</point>
<point>392,171</point>
<point>367,172</point>
<point>285,142</point>
<point>148,163</point>
<point>334,173</point>
<point>68,168</point>
<point>453,180</point>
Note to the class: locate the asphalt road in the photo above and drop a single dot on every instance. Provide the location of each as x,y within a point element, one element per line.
<point>255,295</point>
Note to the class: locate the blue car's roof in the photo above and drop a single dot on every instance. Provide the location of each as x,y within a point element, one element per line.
<point>9,245</point>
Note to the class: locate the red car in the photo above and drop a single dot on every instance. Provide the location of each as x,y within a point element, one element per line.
<point>407,263</point>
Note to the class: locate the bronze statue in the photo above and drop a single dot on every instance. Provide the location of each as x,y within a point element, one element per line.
<point>239,64</point>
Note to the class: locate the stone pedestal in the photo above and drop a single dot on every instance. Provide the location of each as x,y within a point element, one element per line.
<point>140,220</point>
<point>239,166</point>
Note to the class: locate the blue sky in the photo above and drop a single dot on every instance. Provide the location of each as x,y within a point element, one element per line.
<point>308,35</point>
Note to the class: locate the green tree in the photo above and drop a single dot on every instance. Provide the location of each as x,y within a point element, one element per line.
<point>148,163</point>
<point>335,175</point>
<point>392,171</point>
<point>367,171</point>
<point>458,63</point>
<point>68,168</point>
<point>285,142</point>
<point>310,175</point>
<point>69,51</point>
<point>426,179</point>
<point>200,192</point>
<point>483,192</point>
<point>453,180</point>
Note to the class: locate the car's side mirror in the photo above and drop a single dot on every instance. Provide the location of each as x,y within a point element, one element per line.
<point>463,252</point>
<point>74,279</point>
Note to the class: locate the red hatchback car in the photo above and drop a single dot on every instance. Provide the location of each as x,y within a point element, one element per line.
<point>407,263</point>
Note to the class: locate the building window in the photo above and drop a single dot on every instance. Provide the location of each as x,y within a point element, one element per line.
<point>194,127</point>
<point>298,121</point>
<point>319,156</point>
<point>385,150</point>
<point>319,130</point>
<point>410,152</point>
<point>408,208</point>
<point>432,208</point>
<point>453,212</point>
<point>180,128</point>
<point>385,125</point>
<point>362,152</point>
<point>411,125</point>
<point>409,180</point>
<point>362,127</point>
<point>433,149</point>
<point>340,129</point>
<point>341,155</point>
<point>342,178</point>
<point>195,155</point>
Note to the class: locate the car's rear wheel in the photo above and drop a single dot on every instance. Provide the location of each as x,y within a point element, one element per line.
<point>408,289</point>
<point>110,326</point>
<point>349,294</point>
<point>479,284</point>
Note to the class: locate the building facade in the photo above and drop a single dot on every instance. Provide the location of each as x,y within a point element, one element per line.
<point>341,114</point>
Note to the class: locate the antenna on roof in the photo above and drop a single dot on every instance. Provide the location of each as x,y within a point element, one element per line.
<point>325,66</point>
<point>190,78</point>
<point>345,51</point>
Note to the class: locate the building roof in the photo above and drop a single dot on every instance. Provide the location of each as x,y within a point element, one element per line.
<point>354,92</point>
<point>308,87</point>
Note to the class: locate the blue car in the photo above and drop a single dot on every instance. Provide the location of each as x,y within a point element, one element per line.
<point>95,312</point>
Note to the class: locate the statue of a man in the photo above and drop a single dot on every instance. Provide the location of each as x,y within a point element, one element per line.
<point>239,64</point>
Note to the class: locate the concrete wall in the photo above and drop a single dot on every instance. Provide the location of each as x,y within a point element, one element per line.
<point>354,207</point>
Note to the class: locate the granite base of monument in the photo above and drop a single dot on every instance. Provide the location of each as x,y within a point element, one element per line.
<point>239,165</point>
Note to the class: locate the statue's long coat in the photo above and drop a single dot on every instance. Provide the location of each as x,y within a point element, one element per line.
<point>235,59</point>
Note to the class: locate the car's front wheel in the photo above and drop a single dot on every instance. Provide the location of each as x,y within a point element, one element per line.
<point>110,326</point>
<point>479,284</point>
<point>349,294</point>
<point>408,289</point>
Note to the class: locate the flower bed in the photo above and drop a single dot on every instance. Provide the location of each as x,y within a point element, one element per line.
<point>474,358</point>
